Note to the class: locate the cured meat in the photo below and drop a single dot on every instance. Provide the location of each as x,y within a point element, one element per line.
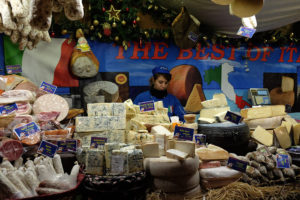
<point>13,96</point>
<point>11,149</point>
<point>47,116</point>
<point>5,120</point>
<point>20,119</point>
<point>49,125</point>
<point>49,103</point>
<point>32,139</point>
<point>24,108</point>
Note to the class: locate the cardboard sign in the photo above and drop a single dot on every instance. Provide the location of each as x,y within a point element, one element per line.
<point>147,106</point>
<point>246,32</point>
<point>237,164</point>
<point>200,139</point>
<point>13,69</point>
<point>27,130</point>
<point>282,161</point>
<point>47,149</point>
<point>9,108</point>
<point>48,87</point>
<point>233,117</point>
<point>97,141</point>
<point>183,133</point>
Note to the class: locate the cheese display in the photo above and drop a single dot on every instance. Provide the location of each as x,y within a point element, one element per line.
<point>261,135</point>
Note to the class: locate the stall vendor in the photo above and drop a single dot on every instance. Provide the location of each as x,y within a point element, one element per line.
<point>158,92</point>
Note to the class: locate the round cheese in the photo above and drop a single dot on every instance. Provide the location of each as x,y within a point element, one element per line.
<point>167,167</point>
<point>177,184</point>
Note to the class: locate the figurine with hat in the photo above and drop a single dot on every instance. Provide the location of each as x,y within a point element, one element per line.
<point>159,81</point>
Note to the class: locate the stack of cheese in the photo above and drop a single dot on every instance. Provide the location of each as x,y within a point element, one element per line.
<point>214,110</point>
<point>272,126</point>
<point>105,120</point>
<point>163,137</point>
<point>190,122</point>
<point>138,124</point>
<point>212,172</point>
<point>176,174</point>
<point>113,159</point>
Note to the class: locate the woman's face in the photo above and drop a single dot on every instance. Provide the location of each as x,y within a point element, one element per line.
<point>160,83</point>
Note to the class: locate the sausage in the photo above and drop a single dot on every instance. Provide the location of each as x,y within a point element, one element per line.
<point>58,164</point>
<point>32,181</point>
<point>12,188</point>
<point>18,183</point>
<point>18,163</point>
<point>7,165</point>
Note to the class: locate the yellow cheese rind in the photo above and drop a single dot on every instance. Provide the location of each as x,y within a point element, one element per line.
<point>263,136</point>
<point>287,84</point>
<point>283,137</point>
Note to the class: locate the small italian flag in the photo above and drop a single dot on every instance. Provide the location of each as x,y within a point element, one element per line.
<point>47,62</point>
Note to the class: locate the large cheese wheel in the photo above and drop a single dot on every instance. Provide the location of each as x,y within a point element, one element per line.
<point>51,102</point>
<point>177,184</point>
<point>183,79</point>
<point>106,88</point>
<point>282,98</point>
<point>167,167</point>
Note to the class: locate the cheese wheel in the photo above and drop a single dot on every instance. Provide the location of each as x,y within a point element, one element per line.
<point>278,97</point>
<point>183,79</point>
<point>167,167</point>
<point>177,184</point>
<point>51,102</point>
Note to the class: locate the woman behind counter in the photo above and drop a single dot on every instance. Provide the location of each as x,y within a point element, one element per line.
<point>158,92</point>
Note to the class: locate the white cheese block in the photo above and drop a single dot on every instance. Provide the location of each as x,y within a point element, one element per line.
<point>204,120</point>
<point>263,136</point>
<point>109,147</point>
<point>129,106</point>
<point>176,154</point>
<point>137,125</point>
<point>150,150</point>
<point>266,123</point>
<point>99,123</point>
<point>135,160</point>
<point>296,132</point>
<point>263,112</point>
<point>160,130</point>
<point>283,137</point>
<point>134,137</point>
<point>119,162</point>
<point>287,84</point>
<point>99,109</point>
<point>94,163</point>
<point>211,112</point>
<point>186,146</point>
<point>212,103</point>
<point>167,167</point>
<point>220,117</point>
<point>175,184</point>
<point>170,144</point>
<point>222,98</point>
<point>118,109</point>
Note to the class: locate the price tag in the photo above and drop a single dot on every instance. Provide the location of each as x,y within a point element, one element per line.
<point>237,164</point>
<point>13,69</point>
<point>147,106</point>
<point>61,146</point>
<point>282,161</point>
<point>246,32</point>
<point>27,130</point>
<point>97,141</point>
<point>47,149</point>
<point>9,108</point>
<point>183,133</point>
<point>200,139</point>
<point>48,87</point>
<point>71,145</point>
<point>233,117</point>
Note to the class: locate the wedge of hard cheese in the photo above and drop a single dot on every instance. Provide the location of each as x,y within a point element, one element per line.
<point>263,136</point>
<point>212,152</point>
<point>176,154</point>
<point>150,150</point>
<point>283,137</point>
<point>186,146</point>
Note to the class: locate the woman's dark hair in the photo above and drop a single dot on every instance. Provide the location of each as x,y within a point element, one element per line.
<point>155,76</point>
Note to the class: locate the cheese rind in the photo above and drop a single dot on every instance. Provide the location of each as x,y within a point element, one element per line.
<point>176,154</point>
<point>263,136</point>
<point>287,84</point>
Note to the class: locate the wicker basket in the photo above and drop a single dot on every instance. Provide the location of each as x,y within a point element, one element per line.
<point>67,195</point>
